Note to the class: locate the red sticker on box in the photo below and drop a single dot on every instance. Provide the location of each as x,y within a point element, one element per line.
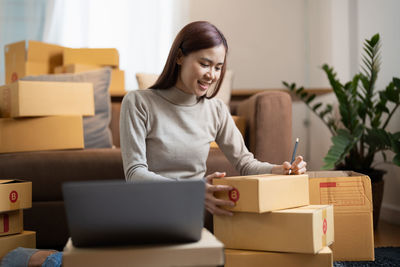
<point>14,77</point>
<point>324,226</point>
<point>13,196</point>
<point>234,195</point>
<point>6,223</point>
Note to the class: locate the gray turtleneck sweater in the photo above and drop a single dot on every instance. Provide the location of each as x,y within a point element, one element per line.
<point>166,135</point>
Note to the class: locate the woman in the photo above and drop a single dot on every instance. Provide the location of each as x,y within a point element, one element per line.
<point>166,130</point>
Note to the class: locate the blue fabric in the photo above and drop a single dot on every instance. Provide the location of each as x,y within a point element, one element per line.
<point>54,260</point>
<point>18,257</point>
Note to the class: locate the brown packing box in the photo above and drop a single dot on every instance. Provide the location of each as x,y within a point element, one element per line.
<point>34,98</point>
<point>267,192</point>
<point>30,58</point>
<point>208,251</point>
<point>117,84</point>
<point>245,258</point>
<point>26,239</point>
<point>11,222</point>
<point>15,195</point>
<point>41,133</point>
<point>91,56</point>
<point>303,230</point>
<point>350,193</point>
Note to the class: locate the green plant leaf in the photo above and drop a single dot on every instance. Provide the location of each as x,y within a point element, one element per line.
<point>396,82</point>
<point>396,159</point>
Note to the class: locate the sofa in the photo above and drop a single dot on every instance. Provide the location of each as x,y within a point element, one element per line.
<point>268,135</point>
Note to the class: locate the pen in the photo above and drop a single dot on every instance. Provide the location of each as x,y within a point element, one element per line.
<point>294,153</point>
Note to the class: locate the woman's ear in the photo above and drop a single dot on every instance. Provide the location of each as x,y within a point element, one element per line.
<point>179,57</point>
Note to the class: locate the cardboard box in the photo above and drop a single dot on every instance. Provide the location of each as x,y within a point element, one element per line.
<point>91,56</point>
<point>208,251</point>
<point>41,133</point>
<point>26,239</point>
<point>303,230</point>
<point>267,192</point>
<point>30,58</point>
<point>36,98</point>
<point>245,258</point>
<point>117,84</point>
<point>15,195</point>
<point>11,222</point>
<point>350,193</point>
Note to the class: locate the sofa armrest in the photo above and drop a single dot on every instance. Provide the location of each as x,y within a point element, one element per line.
<point>269,125</point>
<point>49,169</point>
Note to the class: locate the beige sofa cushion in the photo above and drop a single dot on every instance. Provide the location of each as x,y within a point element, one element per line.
<point>145,80</point>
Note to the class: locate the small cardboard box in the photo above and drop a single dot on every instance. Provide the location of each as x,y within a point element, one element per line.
<point>263,193</point>
<point>208,251</point>
<point>34,98</point>
<point>26,239</point>
<point>15,195</point>
<point>30,58</point>
<point>91,56</point>
<point>350,193</point>
<point>245,258</point>
<point>303,230</point>
<point>11,222</point>
<point>41,133</point>
<point>117,84</point>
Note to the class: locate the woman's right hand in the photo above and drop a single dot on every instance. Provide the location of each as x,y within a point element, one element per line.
<point>211,202</point>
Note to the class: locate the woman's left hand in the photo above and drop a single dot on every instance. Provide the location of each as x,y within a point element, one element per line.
<point>297,167</point>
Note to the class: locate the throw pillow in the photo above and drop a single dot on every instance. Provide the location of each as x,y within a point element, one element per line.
<point>96,131</point>
<point>145,80</point>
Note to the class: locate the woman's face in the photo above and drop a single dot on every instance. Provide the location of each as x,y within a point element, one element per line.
<point>200,70</point>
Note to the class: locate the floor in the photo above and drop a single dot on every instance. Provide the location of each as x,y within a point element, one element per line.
<point>387,235</point>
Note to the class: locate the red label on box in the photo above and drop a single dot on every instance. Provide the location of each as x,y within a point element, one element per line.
<point>13,196</point>
<point>328,184</point>
<point>324,226</point>
<point>234,195</point>
<point>6,224</point>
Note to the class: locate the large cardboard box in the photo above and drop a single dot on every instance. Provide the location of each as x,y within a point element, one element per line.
<point>303,230</point>
<point>11,222</point>
<point>208,251</point>
<point>350,193</point>
<point>91,56</point>
<point>41,133</point>
<point>26,239</point>
<point>267,192</point>
<point>15,195</point>
<point>30,58</point>
<point>246,258</point>
<point>117,83</point>
<point>34,98</point>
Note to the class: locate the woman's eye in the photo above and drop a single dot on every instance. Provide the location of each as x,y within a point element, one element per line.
<point>203,65</point>
<point>217,68</point>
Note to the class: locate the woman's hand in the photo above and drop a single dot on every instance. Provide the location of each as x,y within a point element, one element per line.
<point>298,167</point>
<point>211,202</point>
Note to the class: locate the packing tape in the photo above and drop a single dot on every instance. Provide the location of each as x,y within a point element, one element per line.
<point>324,227</point>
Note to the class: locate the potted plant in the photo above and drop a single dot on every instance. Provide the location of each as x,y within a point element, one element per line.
<point>361,132</point>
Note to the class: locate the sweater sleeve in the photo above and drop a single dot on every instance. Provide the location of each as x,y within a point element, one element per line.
<point>231,142</point>
<point>133,131</point>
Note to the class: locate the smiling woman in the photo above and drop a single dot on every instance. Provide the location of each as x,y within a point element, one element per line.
<point>166,130</point>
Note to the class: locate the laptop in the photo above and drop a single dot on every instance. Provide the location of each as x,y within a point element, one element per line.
<point>104,213</point>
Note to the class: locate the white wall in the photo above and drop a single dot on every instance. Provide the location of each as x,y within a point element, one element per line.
<point>275,40</point>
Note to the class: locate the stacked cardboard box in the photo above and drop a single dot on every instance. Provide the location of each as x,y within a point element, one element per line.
<point>36,115</point>
<point>35,58</point>
<point>208,251</point>
<point>274,223</point>
<point>15,195</point>
<point>86,59</point>
<point>43,115</point>
<point>350,193</point>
